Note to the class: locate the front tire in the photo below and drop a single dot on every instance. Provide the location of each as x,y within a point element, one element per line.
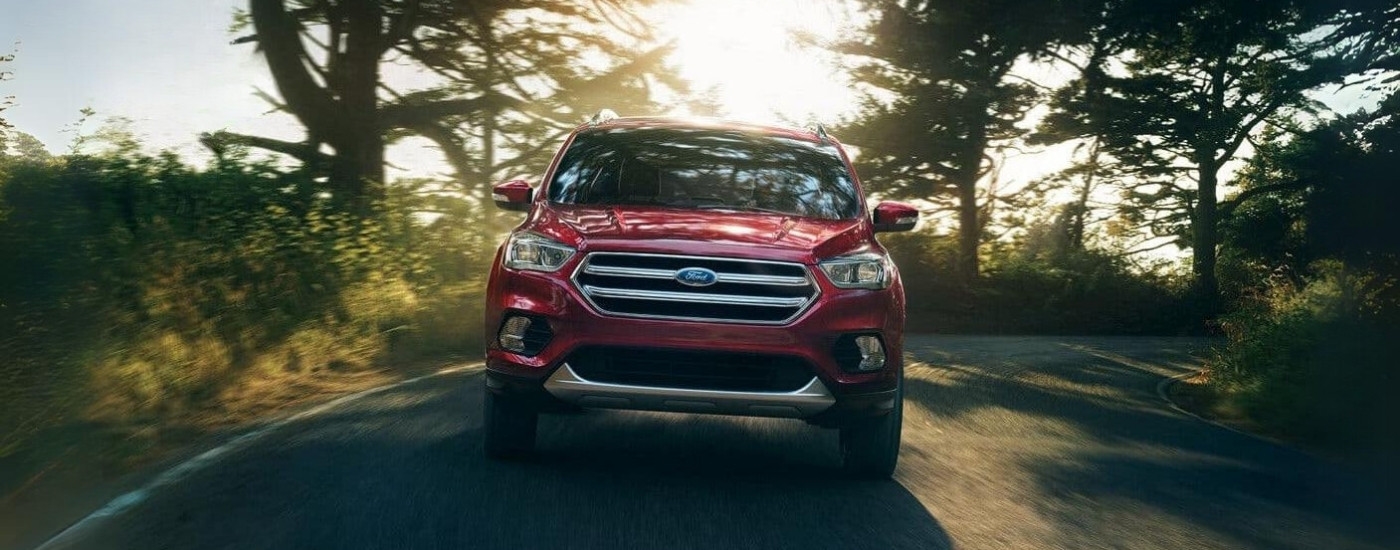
<point>870,446</point>
<point>509,430</point>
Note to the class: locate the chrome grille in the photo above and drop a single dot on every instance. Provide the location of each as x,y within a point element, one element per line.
<point>745,291</point>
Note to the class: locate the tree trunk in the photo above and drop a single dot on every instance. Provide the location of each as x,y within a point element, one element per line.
<point>345,112</point>
<point>1078,218</point>
<point>496,218</point>
<point>969,230</point>
<point>357,173</point>
<point>969,216</point>
<point>357,169</point>
<point>1204,238</point>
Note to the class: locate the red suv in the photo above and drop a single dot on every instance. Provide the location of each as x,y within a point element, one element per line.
<point>699,267</point>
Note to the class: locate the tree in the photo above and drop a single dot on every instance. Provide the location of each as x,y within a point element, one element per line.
<point>1191,84</point>
<point>1331,197</point>
<point>942,96</point>
<point>499,67</point>
<point>1088,173</point>
<point>24,146</point>
<point>1095,169</point>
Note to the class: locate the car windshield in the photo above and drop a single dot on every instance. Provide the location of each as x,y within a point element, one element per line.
<point>705,169</point>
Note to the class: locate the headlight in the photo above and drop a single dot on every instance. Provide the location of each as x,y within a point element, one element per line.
<point>857,271</point>
<point>536,253</point>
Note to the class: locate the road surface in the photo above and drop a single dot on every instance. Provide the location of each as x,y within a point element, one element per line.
<point>1009,442</point>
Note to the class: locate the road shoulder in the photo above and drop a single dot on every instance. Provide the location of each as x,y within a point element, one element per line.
<point>97,466</point>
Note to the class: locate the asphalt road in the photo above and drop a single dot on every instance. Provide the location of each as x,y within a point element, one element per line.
<point>1008,443</point>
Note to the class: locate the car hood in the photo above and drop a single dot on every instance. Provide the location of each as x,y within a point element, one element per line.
<point>718,227</point>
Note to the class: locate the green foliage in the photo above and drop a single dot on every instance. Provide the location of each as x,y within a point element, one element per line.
<point>1317,362</point>
<point>500,82</point>
<point>136,287</point>
<point>1311,262</point>
<point>1368,31</point>
<point>1028,291</point>
<point>1324,193</point>
<point>1084,292</point>
<point>1172,95</point>
<point>940,97</point>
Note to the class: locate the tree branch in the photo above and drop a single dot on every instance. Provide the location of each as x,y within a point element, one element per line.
<point>309,153</point>
<point>1170,241</point>
<point>1228,207</point>
<point>1245,130</point>
<point>415,115</point>
<point>401,27</point>
<point>279,35</point>
<point>524,156</point>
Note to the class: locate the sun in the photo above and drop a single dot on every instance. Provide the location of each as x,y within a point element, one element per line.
<point>744,52</point>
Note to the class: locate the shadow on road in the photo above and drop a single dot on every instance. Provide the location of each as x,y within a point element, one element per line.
<point>405,470</point>
<point>1130,457</point>
<point>1250,505</point>
<point>716,482</point>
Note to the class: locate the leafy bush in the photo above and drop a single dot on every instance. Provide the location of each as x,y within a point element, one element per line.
<point>1316,362</point>
<point>1084,292</point>
<point>135,288</point>
<point>1067,292</point>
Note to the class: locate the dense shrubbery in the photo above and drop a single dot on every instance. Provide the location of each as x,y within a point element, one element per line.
<point>1316,362</point>
<point>1314,273</point>
<point>136,287</point>
<point>1027,292</point>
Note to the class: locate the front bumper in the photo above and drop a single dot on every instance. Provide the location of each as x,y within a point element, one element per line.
<point>814,404</point>
<point>812,337</point>
<point>808,401</point>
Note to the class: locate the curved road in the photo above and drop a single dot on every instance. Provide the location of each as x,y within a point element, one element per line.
<point>1009,443</point>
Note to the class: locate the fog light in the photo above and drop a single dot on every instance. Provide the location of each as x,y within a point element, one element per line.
<point>512,335</point>
<point>872,353</point>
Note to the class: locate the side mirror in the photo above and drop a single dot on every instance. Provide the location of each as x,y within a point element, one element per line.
<point>513,195</point>
<point>895,216</point>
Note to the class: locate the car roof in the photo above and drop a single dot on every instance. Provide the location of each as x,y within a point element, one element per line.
<point>803,134</point>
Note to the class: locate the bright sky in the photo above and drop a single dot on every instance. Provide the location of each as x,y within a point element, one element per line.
<point>745,52</point>
<point>166,64</point>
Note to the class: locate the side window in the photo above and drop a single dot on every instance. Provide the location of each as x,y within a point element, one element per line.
<point>588,173</point>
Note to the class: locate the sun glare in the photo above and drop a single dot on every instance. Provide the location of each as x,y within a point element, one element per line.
<point>744,53</point>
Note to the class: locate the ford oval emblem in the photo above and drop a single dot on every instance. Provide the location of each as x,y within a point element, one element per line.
<point>696,276</point>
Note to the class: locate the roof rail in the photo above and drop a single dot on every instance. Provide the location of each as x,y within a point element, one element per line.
<point>602,116</point>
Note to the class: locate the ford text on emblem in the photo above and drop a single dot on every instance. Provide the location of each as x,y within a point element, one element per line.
<point>696,276</point>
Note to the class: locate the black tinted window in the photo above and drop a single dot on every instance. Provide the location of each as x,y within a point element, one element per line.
<point>705,169</point>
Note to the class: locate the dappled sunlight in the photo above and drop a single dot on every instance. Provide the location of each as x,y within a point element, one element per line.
<point>992,405</point>
<point>1080,447</point>
<point>1162,368</point>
